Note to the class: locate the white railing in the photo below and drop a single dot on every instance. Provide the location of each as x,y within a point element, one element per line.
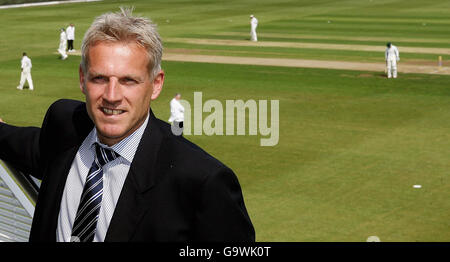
<point>18,195</point>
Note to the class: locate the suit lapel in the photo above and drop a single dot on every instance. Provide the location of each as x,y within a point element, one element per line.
<point>143,175</point>
<point>60,174</point>
<point>45,219</point>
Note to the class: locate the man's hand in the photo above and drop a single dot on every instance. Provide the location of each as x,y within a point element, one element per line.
<point>1,121</point>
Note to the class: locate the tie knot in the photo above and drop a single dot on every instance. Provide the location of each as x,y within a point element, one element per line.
<point>104,155</point>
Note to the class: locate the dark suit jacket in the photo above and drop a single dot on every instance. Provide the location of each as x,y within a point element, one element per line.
<point>174,190</point>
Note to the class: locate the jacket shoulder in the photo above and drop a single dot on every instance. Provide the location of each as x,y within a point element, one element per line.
<point>64,106</point>
<point>65,124</point>
<point>189,159</point>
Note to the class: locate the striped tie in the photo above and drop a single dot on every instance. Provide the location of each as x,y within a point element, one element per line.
<point>87,215</point>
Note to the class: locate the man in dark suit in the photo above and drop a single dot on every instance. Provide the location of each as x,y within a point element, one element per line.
<point>112,171</point>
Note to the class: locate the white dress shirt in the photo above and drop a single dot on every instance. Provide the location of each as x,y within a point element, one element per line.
<point>114,175</point>
<point>176,111</point>
<point>70,32</point>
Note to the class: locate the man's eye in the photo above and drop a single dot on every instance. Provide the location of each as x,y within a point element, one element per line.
<point>99,79</point>
<point>128,81</point>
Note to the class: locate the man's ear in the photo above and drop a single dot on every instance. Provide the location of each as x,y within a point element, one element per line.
<point>82,79</point>
<point>158,82</point>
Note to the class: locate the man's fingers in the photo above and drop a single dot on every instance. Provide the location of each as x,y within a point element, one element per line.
<point>1,121</point>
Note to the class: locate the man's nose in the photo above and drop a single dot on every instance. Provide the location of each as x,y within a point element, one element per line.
<point>113,92</point>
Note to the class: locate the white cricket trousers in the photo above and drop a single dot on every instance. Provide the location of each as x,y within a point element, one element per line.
<point>26,75</point>
<point>392,68</point>
<point>62,50</point>
<point>253,36</point>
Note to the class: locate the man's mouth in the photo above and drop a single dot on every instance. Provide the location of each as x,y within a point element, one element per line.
<point>108,111</point>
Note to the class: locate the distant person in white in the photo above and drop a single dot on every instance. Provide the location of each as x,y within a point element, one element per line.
<point>392,56</point>
<point>62,44</point>
<point>70,31</point>
<point>26,72</point>
<point>176,114</point>
<point>253,24</point>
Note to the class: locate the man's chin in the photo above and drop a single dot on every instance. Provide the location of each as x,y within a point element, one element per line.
<point>110,137</point>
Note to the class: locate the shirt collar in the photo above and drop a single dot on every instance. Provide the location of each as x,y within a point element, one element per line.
<point>127,147</point>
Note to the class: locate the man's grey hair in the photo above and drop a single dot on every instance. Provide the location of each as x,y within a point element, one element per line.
<point>122,26</point>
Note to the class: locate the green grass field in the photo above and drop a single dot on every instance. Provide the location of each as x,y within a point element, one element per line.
<point>352,144</point>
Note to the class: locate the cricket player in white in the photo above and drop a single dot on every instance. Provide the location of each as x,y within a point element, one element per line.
<point>253,25</point>
<point>176,114</point>
<point>70,31</point>
<point>176,109</point>
<point>62,44</point>
<point>26,72</point>
<point>392,56</point>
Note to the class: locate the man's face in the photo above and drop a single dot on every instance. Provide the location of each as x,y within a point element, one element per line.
<point>118,89</point>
